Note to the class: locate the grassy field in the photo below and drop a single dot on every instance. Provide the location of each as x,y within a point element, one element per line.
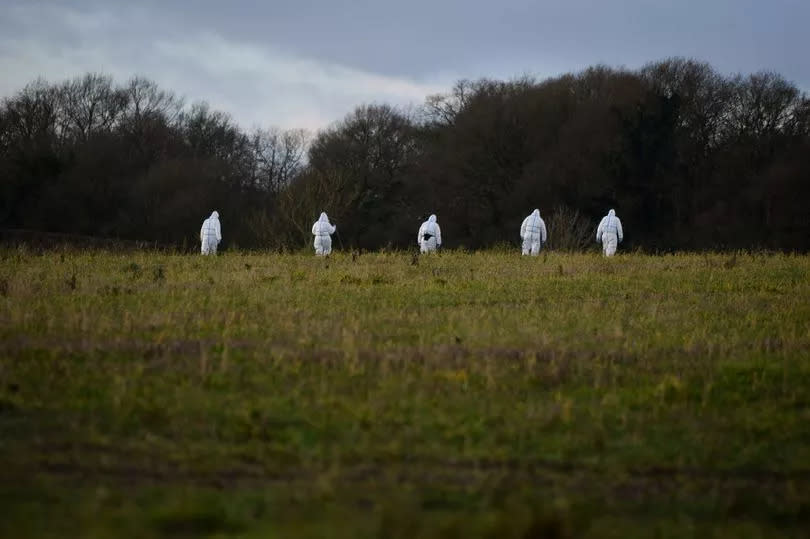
<point>458,395</point>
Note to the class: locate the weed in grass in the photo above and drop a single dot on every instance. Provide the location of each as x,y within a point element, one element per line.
<point>72,282</point>
<point>350,280</point>
<point>133,269</point>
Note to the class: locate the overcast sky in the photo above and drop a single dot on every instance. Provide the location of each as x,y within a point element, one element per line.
<point>306,63</point>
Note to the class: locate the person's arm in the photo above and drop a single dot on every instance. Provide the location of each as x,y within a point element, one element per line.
<point>202,230</point>
<point>599,230</point>
<point>619,230</point>
<point>438,235</point>
<point>420,234</point>
<point>523,228</point>
<point>543,231</point>
<point>332,229</point>
<point>219,232</point>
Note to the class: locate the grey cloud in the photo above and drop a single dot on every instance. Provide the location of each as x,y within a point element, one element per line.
<point>421,37</point>
<point>314,60</point>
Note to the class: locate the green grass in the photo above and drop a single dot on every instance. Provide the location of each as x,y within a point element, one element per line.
<point>466,395</point>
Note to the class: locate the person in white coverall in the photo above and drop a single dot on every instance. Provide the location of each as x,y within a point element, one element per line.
<point>609,233</point>
<point>429,237</point>
<point>210,235</point>
<point>323,230</point>
<point>533,233</point>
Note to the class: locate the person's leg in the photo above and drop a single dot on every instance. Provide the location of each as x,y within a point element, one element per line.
<point>327,245</point>
<point>610,245</point>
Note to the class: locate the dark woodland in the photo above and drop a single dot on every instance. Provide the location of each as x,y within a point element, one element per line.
<point>689,158</point>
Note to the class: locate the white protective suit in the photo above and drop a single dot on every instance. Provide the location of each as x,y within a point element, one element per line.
<point>609,233</point>
<point>429,237</point>
<point>533,233</point>
<point>322,230</point>
<point>210,235</point>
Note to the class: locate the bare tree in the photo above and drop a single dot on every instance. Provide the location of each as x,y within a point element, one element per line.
<point>150,118</point>
<point>32,114</point>
<point>89,105</point>
<point>569,230</point>
<point>442,109</point>
<point>145,100</point>
<point>762,105</point>
<point>702,94</point>
<point>279,157</point>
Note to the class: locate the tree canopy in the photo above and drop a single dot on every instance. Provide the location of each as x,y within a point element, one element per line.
<point>689,158</point>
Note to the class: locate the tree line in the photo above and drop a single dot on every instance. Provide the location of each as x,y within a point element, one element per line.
<point>688,157</point>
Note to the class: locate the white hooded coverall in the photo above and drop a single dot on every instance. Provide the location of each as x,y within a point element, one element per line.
<point>429,236</point>
<point>609,233</point>
<point>322,230</point>
<point>533,233</point>
<point>210,235</point>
